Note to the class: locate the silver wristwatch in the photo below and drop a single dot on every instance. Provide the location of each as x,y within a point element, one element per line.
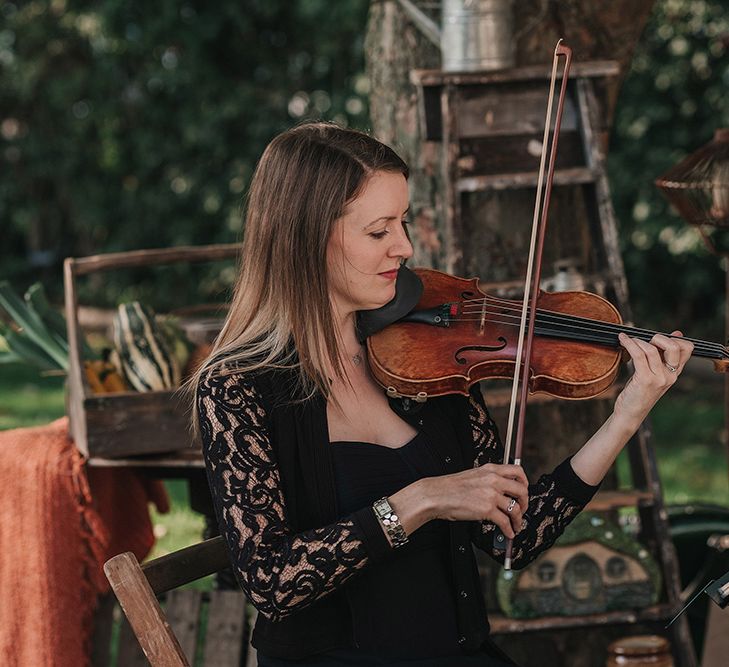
<point>391,522</point>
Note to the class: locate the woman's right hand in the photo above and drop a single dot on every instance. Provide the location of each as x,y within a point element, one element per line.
<point>483,493</point>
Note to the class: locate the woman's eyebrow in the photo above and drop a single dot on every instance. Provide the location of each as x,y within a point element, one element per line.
<point>385,217</point>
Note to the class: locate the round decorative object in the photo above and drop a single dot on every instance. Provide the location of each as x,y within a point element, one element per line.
<point>640,651</point>
<point>594,567</point>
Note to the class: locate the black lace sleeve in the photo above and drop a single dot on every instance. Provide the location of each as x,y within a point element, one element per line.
<point>553,501</point>
<point>280,571</point>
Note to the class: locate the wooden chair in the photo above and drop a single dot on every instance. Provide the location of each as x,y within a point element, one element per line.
<point>170,638</point>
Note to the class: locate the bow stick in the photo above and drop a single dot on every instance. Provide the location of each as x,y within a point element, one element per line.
<point>534,270</point>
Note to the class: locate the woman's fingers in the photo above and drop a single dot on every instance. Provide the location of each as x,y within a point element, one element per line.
<point>664,356</point>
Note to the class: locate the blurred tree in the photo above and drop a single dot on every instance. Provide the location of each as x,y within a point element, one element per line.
<point>126,125</point>
<point>672,99</point>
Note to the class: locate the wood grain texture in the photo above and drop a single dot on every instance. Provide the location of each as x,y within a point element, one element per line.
<point>143,611</point>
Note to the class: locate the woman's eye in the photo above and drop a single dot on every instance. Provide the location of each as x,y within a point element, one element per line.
<point>379,235</point>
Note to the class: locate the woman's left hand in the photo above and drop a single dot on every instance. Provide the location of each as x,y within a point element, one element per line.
<point>656,366</point>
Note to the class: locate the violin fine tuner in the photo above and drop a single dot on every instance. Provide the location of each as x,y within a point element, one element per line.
<point>420,397</point>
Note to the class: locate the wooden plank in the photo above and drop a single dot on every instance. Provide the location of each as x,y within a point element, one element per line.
<point>186,565</point>
<point>155,256</point>
<point>190,458</point>
<point>507,110</point>
<point>129,653</point>
<point>453,221</point>
<point>517,153</point>
<point>133,423</point>
<point>437,77</point>
<point>501,625</point>
<point>576,176</point>
<point>182,609</point>
<point>226,636</point>
<point>716,640</point>
<point>143,611</point>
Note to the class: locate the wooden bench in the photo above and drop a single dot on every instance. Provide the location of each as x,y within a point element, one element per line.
<point>190,627</point>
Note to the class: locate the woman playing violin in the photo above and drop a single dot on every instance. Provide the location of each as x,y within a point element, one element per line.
<point>350,521</point>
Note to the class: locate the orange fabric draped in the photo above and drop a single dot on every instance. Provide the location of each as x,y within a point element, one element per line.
<point>59,523</point>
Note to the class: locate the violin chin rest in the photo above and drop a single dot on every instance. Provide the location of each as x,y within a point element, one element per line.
<point>408,290</point>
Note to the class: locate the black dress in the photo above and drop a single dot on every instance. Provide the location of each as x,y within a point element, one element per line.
<point>404,610</point>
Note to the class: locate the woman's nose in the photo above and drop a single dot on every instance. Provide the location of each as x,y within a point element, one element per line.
<point>401,246</point>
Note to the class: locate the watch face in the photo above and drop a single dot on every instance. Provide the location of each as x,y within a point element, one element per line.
<point>382,507</point>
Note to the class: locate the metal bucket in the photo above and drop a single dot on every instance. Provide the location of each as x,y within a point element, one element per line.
<point>477,35</point>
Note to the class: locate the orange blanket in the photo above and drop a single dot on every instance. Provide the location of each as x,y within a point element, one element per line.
<point>59,523</point>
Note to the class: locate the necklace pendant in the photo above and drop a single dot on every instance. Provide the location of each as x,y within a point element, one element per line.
<point>357,359</point>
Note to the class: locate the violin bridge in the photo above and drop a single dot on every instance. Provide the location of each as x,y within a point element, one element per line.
<point>482,323</point>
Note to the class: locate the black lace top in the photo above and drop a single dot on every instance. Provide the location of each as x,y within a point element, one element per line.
<point>263,456</point>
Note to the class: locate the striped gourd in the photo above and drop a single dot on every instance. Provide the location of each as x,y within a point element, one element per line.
<point>146,359</point>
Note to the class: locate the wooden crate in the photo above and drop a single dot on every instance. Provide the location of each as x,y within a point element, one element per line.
<point>125,423</point>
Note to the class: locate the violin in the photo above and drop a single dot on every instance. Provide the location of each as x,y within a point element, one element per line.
<point>457,335</point>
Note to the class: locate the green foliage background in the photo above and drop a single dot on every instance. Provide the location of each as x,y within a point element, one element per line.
<point>128,125</point>
<point>672,99</point>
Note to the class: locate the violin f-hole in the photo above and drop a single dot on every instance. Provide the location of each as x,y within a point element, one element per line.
<point>479,348</point>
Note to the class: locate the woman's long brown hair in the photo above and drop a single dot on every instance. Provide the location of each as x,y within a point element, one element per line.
<point>302,184</point>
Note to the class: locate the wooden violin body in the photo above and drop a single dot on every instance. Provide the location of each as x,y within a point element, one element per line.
<point>419,359</point>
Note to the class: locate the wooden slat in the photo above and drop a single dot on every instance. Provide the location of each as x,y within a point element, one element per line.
<point>155,256</point>
<point>183,614</point>
<point>186,565</point>
<point>130,653</point>
<point>190,458</point>
<point>501,625</point>
<point>143,611</point>
<point>508,110</point>
<point>575,176</point>
<point>226,636</point>
<point>437,77</point>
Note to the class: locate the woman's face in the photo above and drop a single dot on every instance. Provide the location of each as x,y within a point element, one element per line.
<point>367,245</point>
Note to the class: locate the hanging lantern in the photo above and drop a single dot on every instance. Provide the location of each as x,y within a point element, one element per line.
<point>698,187</point>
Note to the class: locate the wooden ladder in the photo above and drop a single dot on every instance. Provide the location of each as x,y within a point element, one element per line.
<point>488,123</point>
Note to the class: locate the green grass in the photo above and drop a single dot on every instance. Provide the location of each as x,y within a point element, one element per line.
<point>27,399</point>
<point>689,441</point>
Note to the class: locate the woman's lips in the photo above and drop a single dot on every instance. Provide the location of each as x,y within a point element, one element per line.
<point>391,275</point>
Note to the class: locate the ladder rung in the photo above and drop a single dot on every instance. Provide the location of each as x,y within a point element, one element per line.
<point>575,175</point>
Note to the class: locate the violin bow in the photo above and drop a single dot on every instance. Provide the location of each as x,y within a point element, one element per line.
<point>534,270</point>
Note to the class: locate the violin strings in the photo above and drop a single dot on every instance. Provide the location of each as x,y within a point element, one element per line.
<point>575,326</point>
<point>595,324</point>
<point>586,329</point>
<point>576,323</point>
<point>578,334</point>
<point>607,326</point>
